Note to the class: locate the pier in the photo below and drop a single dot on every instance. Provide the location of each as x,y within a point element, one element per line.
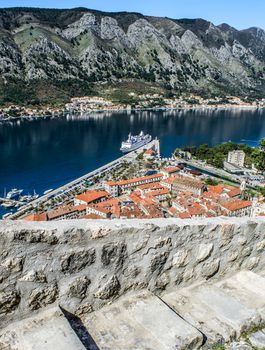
<point>80,183</point>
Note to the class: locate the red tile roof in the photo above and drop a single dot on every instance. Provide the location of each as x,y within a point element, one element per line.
<point>234,193</point>
<point>187,181</point>
<point>170,180</point>
<point>171,169</point>
<point>184,215</point>
<point>91,196</point>
<point>150,186</point>
<point>236,205</point>
<point>65,210</point>
<point>149,151</point>
<point>135,180</point>
<point>36,217</point>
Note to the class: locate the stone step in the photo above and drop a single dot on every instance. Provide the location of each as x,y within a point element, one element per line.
<point>248,288</point>
<point>46,331</point>
<point>141,321</point>
<point>220,312</point>
<point>257,339</point>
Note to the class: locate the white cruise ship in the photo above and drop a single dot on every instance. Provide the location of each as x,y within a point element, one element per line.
<point>135,142</point>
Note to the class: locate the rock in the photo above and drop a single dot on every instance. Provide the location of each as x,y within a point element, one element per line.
<point>158,262</point>
<point>242,240</point>
<point>4,273</point>
<point>204,251</point>
<point>251,263</point>
<point>99,232</point>
<point>132,271</point>
<point>162,281</point>
<point>77,261</point>
<point>114,254</point>
<point>37,236</point>
<point>130,45</point>
<point>34,276</point>
<point>137,246</point>
<point>210,268</point>
<point>180,259</point>
<point>41,297</point>
<point>79,287</point>
<point>246,252</point>
<point>84,309</point>
<point>162,241</point>
<point>9,300</point>
<point>188,275</point>
<point>109,289</point>
<point>232,256</point>
<point>14,264</point>
<point>260,246</point>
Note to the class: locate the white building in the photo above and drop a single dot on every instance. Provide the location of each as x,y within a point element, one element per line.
<point>237,158</point>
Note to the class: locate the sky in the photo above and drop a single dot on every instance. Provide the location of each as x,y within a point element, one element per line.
<point>240,14</point>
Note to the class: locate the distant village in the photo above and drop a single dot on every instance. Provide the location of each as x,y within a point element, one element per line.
<point>153,101</point>
<point>135,101</point>
<point>167,189</point>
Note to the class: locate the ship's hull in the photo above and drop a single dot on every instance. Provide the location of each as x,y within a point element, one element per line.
<point>136,145</point>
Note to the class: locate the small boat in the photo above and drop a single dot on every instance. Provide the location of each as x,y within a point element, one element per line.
<point>48,191</point>
<point>29,198</point>
<point>8,204</point>
<point>14,193</point>
<point>35,195</point>
<point>5,216</point>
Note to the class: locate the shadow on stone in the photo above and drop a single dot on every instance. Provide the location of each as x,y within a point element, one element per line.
<point>80,330</point>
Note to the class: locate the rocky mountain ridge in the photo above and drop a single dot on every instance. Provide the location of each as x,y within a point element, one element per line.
<point>87,46</point>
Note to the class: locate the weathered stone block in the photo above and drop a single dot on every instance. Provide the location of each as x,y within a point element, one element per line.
<point>79,287</point>
<point>9,300</point>
<point>158,262</point>
<point>204,251</point>
<point>34,276</point>
<point>41,297</point>
<point>77,261</point>
<point>109,288</point>
<point>181,258</point>
<point>114,253</point>
<point>210,268</point>
<point>13,264</point>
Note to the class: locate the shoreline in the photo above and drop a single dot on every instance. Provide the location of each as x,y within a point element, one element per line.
<point>104,110</point>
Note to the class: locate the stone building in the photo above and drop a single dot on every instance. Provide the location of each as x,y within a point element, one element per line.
<point>186,184</point>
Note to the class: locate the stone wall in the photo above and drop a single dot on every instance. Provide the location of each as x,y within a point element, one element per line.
<point>82,264</point>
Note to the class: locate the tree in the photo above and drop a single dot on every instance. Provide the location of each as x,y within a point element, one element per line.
<point>211,182</point>
<point>259,156</point>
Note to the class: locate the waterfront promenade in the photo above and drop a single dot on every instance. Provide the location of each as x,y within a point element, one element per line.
<point>80,183</point>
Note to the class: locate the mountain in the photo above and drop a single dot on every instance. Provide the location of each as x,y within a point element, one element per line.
<point>51,54</point>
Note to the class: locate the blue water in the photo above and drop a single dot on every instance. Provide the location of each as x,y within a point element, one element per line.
<point>44,154</point>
